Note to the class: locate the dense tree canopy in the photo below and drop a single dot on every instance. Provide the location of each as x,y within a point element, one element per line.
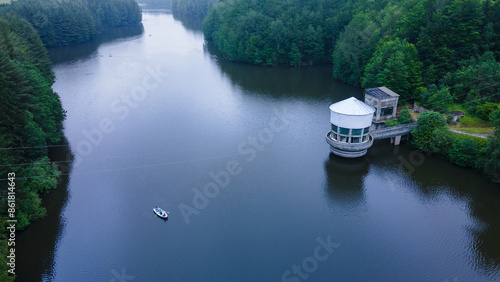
<point>436,52</point>
<point>405,45</point>
<point>395,64</point>
<point>277,32</point>
<point>490,155</point>
<point>357,42</point>
<point>428,122</point>
<point>62,23</point>
<point>193,8</point>
<point>31,116</point>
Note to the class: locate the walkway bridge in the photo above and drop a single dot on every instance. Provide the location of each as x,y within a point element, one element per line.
<point>394,132</point>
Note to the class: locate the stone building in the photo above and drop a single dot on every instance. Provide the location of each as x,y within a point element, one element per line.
<point>385,102</point>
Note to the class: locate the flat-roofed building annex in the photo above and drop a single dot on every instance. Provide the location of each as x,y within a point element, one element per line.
<point>385,102</point>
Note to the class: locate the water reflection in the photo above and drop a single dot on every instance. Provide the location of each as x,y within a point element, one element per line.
<point>283,82</point>
<point>344,181</point>
<point>84,51</point>
<point>155,4</point>
<point>485,237</point>
<point>350,188</point>
<point>44,235</point>
<point>432,179</point>
<point>157,12</point>
<point>482,200</point>
<point>190,23</point>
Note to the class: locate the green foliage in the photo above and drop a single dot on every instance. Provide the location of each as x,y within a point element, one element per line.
<point>33,136</point>
<point>295,56</point>
<point>28,190</point>
<point>276,32</point>
<point>404,45</point>
<point>435,98</point>
<point>442,139</point>
<point>432,135</point>
<point>484,111</point>
<point>427,123</point>
<point>391,123</point>
<point>491,36</point>
<point>457,107</point>
<point>489,162</point>
<point>192,8</point>
<point>463,152</point>
<point>440,100</point>
<point>468,120</point>
<point>394,64</point>
<point>61,23</point>
<point>31,116</point>
<point>475,81</point>
<point>405,116</point>
<point>450,36</point>
<point>495,117</point>
<point>358,41</point>
<point>414,19</point>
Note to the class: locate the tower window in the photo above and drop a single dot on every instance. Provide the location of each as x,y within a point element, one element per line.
<point>344,131</point>
<point>334,128</point>
<point>356,132</point>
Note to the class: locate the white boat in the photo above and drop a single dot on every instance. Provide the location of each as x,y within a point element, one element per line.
<point>161,213</point>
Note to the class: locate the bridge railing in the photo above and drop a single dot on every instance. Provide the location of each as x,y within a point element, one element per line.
<point>393,131</point>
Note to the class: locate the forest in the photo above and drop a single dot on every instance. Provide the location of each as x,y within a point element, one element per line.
<point>31,115</point>
<point>62,23</point>
<point>357,36</point>
<point>156,3</point>
<point>192,8</point>
<point>441,54</point>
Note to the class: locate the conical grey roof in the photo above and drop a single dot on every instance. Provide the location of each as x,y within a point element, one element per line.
<point>352,107</point>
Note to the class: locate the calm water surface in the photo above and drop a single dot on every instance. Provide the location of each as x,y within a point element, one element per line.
<point>154,116</point>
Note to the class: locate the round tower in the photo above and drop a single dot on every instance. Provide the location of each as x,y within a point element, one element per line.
<point>350,135</point>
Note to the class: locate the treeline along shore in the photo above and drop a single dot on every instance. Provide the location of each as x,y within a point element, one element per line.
<point>439,54</point>
<point>31,115</point>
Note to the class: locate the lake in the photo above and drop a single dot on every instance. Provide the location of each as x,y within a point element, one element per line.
<point>237,155</point>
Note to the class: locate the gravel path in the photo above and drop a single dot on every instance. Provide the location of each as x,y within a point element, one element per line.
<point>485,136</point>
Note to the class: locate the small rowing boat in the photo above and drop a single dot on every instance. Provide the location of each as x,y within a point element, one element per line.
<point>161,213</point>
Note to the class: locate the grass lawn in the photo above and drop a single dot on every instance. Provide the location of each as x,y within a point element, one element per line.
<point>458,108</point>
<point>471,124</point>
<point>476,130</point>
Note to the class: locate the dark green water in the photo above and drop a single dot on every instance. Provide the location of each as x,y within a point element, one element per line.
<point>237,155</point>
